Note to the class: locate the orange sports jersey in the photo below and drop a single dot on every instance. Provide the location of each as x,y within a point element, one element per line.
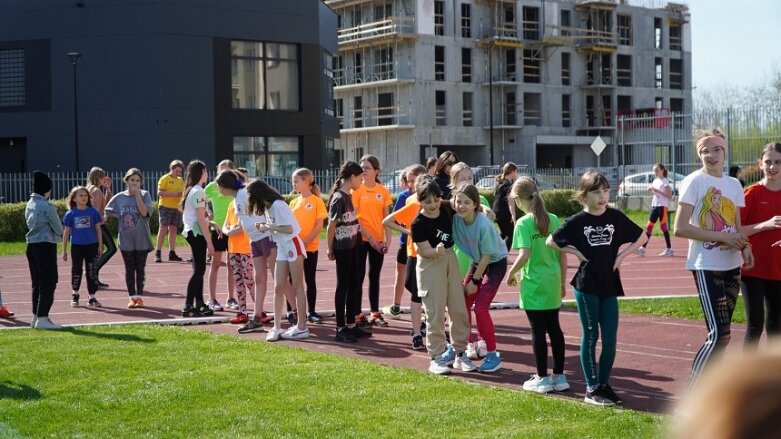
<point>310,213</point>
<point>239,242</point>
<point>405,216</point>
<point>370,204</point>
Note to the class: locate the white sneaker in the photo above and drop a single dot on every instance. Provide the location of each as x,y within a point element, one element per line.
<point>33,321</point>
<point>538,384</point>
<point>438,367</point>
<point>640,252</point>
<point>667,252</point>
<point>559,382</point>
<point>464,363</point>
<point>293,333</point>
<point>46,323</point>
<point>471,351</point>
<point>214,305</point>
<point>273,334</point>
<point>482,349</point>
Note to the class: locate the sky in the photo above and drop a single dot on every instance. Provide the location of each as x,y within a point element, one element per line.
<point>734,42</point>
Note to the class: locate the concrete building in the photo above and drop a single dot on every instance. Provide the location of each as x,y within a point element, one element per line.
<point>531,81</point>
<point>162,79</point>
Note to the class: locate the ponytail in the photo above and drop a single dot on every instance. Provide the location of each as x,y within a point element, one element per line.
<point>525,189</point>
<point>347,170</point>
<point>507,169</point>
<point>309,178</point>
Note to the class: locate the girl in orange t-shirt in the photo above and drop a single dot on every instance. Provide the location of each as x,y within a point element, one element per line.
<point>239,260</point>
<point>309,210</point>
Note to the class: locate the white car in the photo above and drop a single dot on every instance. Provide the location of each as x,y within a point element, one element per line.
<point>638,184</point>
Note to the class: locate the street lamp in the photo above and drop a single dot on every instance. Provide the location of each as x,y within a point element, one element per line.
<point>73,57</point>
<point>491,102</point>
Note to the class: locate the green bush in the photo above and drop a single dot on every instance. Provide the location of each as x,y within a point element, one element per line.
<point>557,201</point>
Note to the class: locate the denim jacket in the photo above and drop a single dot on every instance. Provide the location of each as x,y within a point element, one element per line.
<point>42,221</point>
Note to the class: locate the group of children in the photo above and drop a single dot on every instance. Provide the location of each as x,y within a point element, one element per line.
<point>453,257</point>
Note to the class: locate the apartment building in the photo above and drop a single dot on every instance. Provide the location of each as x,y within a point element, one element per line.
<point>531,81</point>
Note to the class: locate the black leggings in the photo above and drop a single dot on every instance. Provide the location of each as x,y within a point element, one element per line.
<point>195,285</point>
<point>81,255</point>
<point>42,260</point>
<point>111,248</point>
<point>543,322</point>
<point>310,270</point>
<point>506,231</point>
<point>375,266</point>
<point>756,293</point>
<point>347,286</point>
<point>135,271</point>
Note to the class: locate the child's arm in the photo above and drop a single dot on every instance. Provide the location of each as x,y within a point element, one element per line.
<point>685,230</point>
<point>315,231</point>
<point>771,224</point>
<point>230,229</point>
<point>629,249</point>
<point>66,236</point>
<point>54,220</point>
<point>568,249</point>
<point>390,223</point>
<point>563,263</point>
<point>99,232</point>
<point>330,233</point>
<point>427,251</point>
<point>266,227</point>
<point>523,257</point>
<point>200,212</point>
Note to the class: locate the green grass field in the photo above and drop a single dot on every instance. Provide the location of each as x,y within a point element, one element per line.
<point>155,381</point>
<point>678,307</point>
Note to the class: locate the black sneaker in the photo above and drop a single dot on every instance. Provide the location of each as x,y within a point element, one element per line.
<point>173,257</point>
<point>101,284</point>
<point>202,311</point>
<point>314,317</point>
<point>417,342</point>
<point>423,328</point>
<point>158,257</point>
<point>344,335</point>
<point>251,326</point>
<point>93,302</point>
<point>360,333</point>
<point>292,318</point>
<point>188,312</point>
<point>74,300</point>
<point>597,397</point>
<point>608,393</point>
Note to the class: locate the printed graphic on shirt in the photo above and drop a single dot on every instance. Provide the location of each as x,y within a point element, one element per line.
<point>444,236</point>
<point>717,214</point>
<point>599,235</point>
<point>347,230</point>
<point>129,220</point>
<point>82,222</point>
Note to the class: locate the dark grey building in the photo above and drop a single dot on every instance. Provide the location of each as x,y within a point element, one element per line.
<point>249,80</point>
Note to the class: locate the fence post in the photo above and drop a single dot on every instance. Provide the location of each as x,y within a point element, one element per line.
<point>672,153</point>
<point>729,136</point>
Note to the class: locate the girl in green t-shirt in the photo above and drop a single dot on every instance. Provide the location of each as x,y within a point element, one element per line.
<point>543,277</point>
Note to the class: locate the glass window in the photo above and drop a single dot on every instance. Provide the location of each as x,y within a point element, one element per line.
<point>277,156</point>
<point>466,20</point>
<point>265,76</point>
<point>467,109</point>
<point>441,115</point>
<point>12,78</point>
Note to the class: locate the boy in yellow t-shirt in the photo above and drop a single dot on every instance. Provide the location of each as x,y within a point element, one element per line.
<point>169,190</point>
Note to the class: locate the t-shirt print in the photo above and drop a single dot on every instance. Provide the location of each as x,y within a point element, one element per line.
<point>348,230</point>
<point>600,235</point>
<point>82,222</point>
<point>129,219</point>
<point>717,214</point>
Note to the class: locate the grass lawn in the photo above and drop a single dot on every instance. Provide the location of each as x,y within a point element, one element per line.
<point>18,248</point>
<point>640,217</point>
<point>679,307</point>
<point>155,381</point>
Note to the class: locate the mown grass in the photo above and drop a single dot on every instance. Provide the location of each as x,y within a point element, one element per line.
<point>18,248</point>
<point>153,381</point>
<point>678,307</point>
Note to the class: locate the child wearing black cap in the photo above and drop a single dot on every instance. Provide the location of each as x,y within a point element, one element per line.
<point>45,231</point>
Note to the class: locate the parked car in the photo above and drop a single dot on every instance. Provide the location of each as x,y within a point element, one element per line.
<point>638,184</point>
<point>489,182</point>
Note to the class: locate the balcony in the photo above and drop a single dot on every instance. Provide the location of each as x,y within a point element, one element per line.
<point>588,40</point>
<point>379,118</point>
<point>377,32</point>
<point>378,75</point>
<point>501,36</point>
<point>604,80</point>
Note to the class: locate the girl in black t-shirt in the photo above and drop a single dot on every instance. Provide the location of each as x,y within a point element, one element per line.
<point>595,236</point>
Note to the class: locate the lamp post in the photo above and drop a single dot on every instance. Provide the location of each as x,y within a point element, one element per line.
<point>491,102</point>
<point>73,57</point>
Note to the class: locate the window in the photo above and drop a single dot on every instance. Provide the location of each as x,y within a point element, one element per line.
<point>339,71</point>
<point>383,64</point>
<point>441,115</point>
<point>510,111</point>
<point>467,109</point>
<point>13,91</point>
<point>624,70</point>
<point>658,73</point>
<point>511,67</point>
<point>531,66</point>
<point>328,75</point>
<point>357,19</point>
<point>466,64</point>
<point>675,37</point>
<point>676,74</point>
<point>439,63</point>
<point>566,113</point>
<point>565,22</point>
<point>358,67</point>
<point>508,27</point>
<point>383,12</point>
<point>358,111</point>
<point>531,23</point>
<point>532,109</point>
<point>466,20</point>
<point>385,109</point>
<point>624,104</point>
<point>565,58</point>
<point>340,112</point>
<point>439,17</point>
<point>676,107</point>
<point>624,25</point>
<point>658,33</point>
<point>266,155</point>
<point>265,76</point>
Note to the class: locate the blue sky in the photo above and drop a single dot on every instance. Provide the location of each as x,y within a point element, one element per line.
<point>734,42</point>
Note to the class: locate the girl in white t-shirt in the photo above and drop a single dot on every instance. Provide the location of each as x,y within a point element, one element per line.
<point>284,229</point>
<point>662,194</point>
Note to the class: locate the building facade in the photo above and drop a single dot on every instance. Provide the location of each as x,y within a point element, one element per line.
<point>155,80</point>
<point>529,81</point>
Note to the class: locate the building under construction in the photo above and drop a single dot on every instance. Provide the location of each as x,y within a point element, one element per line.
<point>534,82</point>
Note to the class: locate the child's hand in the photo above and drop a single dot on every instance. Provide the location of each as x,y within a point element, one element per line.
<point>772,223</point>
<point>65,256</point>
<point>512,280</point>
<point>470,288</point>
<point>263,227</point>
<point>100,250</point>
<point>748,257</point>
<point>735,240</point>
<point>440,249</point>
<point>331,255</point>
<point>619,259</point>
<point>776,244</point>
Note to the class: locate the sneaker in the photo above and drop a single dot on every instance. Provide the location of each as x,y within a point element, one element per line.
<point>392,310</point>
<point>251,326</point>
<point>448,357</point>
<point>596,397</point>
<point>293,333</point>
<point>361,321</point>
<point>423,328</point>
<point>75,300</point>
<point>203,311</point>
<point>640,252</point>
<point>560,383</point>
<point>265,319</point>
<point>292,318</point>
<point>439,367</point>
<point>93,302</point>
<point>214,305</point>
<point>101,285</point>
<point>667,252</point>
<point>188,312</point>
<point>482,349</point>
<point>232,303</point>
<point>274,334</point>
<point>46,323</point>
<point>158,257</point>
<point>471,351</point>
<point>417,342</point>
<point>131,303</point>
<point>5,312</point>
<point>492,363</point>
<point>139,303</point>
<point>464,363</point>
<point>240,319</point>
<point>538,384</point>
<point>360,332</point>
<point>173,257</point>
<point>314,317</point>
<point>608,393</point>
<point>376,319</point>
<point>344,335</point>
